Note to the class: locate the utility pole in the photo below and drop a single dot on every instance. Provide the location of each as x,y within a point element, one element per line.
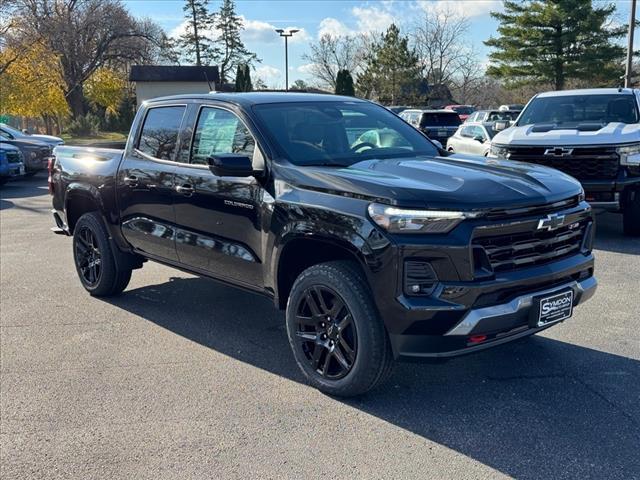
<point>632,24</point>
<point>286,35</point>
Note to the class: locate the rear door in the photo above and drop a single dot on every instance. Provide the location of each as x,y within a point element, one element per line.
<point>219,220</point>
<point>145,183</point>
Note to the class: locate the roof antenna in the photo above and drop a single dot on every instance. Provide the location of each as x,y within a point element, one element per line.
<point>211,89</point>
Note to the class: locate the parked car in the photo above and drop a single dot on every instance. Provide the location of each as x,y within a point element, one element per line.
<point>592,135</point>
<point>506,116</point>
<point>438,125</point>
<point>14,133</point>
<point>472,138</point>
<point>463,111</point>
<point>34,152</point>
<point>377,246</point>
<point>397,109</point>
<point>517,107</point>
<point>11,164</point>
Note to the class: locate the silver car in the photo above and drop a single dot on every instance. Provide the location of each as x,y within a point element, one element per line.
<point>473,138</point>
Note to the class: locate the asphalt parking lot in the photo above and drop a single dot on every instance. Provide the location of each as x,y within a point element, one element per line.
<point>181,377</point>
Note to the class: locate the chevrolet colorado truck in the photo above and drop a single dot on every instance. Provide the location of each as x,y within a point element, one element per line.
<point>593,135</point>
<point>377,244</point>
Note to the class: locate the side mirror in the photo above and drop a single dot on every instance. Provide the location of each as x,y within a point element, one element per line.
<point>25,131</point>
<point>230,165</point>
<point>438,144</point>
<point>479,138</point>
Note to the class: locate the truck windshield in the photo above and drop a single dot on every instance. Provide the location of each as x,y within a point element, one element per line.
<point>339,133</point>
<point>572,110</point>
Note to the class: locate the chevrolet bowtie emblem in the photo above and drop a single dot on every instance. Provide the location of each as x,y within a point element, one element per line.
<point>551,222</point>
<point>558,152</point>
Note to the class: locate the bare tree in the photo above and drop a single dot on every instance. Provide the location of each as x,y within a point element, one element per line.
<point>442,45</point>
<point>86,35</point>
<point>331,54</point>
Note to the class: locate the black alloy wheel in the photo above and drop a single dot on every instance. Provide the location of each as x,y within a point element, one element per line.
<point>326,332</point>
<point>88,257</point>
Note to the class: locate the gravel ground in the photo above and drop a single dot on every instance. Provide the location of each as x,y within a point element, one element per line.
<point>183,378</point>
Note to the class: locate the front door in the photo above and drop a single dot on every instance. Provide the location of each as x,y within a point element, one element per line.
<point>145,184</point>
<point>219,218</point>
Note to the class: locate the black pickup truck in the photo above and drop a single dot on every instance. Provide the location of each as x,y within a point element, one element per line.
<point>378,245</point>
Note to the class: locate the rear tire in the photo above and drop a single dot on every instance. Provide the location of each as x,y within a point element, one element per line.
<point>631,215</point>
<point>338,339</point>
<point>101,271</point>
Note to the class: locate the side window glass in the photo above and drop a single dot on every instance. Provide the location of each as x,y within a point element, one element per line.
<point>466,132</point>
<point>219,131</point>
<point>159,135</point>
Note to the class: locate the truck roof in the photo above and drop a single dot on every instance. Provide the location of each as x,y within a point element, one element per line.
<point>588,91</point>
<point>257,98</point>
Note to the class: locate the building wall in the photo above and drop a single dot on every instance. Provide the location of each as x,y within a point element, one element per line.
<point>148,90</point>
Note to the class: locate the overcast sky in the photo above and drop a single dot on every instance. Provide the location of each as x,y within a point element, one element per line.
<point>315,17</point>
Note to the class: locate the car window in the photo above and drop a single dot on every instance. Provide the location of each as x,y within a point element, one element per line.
<point>220,131</point>
<point>467,131</point>
<point>159,135</point>
<point>340,133</point>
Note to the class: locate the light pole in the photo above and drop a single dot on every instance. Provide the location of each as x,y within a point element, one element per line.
<point>632,24</point>
<point>286,34</point>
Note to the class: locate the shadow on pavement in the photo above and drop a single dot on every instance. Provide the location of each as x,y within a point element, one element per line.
<point>24,188</point>
<point>539,408</point>
<point>609,235</point>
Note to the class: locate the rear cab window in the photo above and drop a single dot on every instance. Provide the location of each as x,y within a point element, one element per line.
<point>440,119</point>
<point>160,131</point>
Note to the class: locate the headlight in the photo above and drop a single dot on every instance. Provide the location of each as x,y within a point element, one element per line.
<point>629,154</point>
<point>499,151</point>
<point>400,220</point>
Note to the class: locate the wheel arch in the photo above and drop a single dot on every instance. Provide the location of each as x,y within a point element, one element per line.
<point>81,199</point>
<point>301,252</point>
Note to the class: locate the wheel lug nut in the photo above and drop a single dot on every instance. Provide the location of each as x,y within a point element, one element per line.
<point>322,325</point>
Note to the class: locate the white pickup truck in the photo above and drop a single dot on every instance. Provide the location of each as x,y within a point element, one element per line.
<point>592,135</point>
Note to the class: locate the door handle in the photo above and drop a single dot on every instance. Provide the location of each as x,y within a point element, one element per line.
<point>186,190</point>
<point>131,181</point>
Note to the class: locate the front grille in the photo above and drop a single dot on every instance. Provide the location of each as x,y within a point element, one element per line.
<point>584,163</point>
<point>512,251</point>
<point>505,213</point>
<point>13,157</point>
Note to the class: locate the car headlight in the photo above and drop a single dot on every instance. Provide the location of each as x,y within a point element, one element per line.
<point>401,220</point>
<point>499,151</point>
<point>629,154</point>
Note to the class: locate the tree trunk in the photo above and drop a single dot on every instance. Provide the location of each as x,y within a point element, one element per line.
<point>76,102</point>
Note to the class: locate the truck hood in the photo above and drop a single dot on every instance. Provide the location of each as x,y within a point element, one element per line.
<point>49,139</point>
<point>454,182</point>
<point>610,134</point>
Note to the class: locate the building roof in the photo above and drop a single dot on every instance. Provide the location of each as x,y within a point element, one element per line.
<point>173,73</point>
<point>256,98</point>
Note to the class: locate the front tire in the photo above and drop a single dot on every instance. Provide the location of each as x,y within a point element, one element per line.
<point>631,215</point>
<point>100,270</point>
<point>337,337</point>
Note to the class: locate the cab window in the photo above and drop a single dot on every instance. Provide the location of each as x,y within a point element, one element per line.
<point>220,131</point>
<point>159,134</point>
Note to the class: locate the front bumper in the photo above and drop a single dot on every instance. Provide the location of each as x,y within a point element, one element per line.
<point>500,324</point>
<point>609,194</point>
